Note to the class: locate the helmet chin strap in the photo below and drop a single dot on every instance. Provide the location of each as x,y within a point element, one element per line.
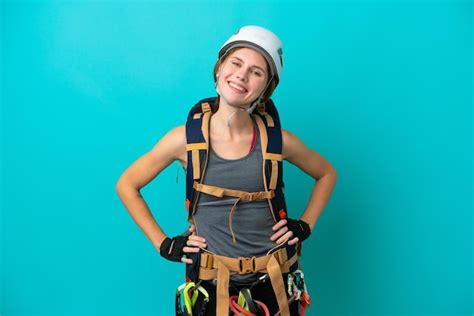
<point>252,107</point>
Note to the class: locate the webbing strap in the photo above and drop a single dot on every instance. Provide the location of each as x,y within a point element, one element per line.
<point>222,267</point>
<point>221,192</point>
<point>194,148</point>
<point>196,164</point>
<point>208,264</point>
<point>241,195</point>
<point>268,156</point>
<point>261,110</point>
<point>276,278</point>
<point>205,107</point>
<point>269,119</point>
<point>205,125</point>
<point>223,275</point>
<point>274,176</point>
<point>263,133</point>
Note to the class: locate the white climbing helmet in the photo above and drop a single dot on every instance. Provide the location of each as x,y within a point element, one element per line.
<point>262,40</point>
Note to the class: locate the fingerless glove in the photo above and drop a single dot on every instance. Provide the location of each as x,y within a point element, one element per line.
<point>172,249</point>
<point>299,228</point>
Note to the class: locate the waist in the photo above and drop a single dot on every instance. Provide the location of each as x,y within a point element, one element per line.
<point>252,228</point>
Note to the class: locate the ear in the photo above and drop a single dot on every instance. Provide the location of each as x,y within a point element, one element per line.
<point>217,70</point>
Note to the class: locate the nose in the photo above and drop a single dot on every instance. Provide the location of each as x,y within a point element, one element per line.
<point>241,74</point>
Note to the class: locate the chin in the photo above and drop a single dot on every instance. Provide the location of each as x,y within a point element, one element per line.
<point>236,102</point>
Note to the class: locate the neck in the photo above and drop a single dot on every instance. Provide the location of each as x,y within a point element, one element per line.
<point>232,119</point>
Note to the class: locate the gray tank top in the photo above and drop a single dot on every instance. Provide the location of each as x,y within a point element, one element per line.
<point>252,221</point>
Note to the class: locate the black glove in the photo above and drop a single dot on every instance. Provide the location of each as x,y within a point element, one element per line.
<point>172,249</point>
<point>299,228</point>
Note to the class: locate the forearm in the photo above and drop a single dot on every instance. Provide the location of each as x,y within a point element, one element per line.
<point>140,212</point>
<point>319,198</point>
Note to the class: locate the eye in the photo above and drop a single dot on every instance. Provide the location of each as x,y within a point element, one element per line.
<point>257,73</point>
<point>235,63</point>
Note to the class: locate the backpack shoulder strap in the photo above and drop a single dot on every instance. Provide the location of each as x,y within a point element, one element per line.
<point>197,146</point>
<point>268,122</point>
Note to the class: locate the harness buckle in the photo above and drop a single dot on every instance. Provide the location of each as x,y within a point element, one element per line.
<point>246,265</point>
<point>209,262</point>
<point>248,196</point>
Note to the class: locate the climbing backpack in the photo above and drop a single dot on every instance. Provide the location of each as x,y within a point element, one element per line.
<point>207,266</point>
<point>197,147</point>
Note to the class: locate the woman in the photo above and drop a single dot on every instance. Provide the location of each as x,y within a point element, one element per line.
<point>232,226</point>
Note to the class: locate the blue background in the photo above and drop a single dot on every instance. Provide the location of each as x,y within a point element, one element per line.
<point>382,89</point>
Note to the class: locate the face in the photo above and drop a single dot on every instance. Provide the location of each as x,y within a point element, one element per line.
<point>242,77</point>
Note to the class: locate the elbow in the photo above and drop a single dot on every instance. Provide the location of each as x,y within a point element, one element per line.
<point>122,186</point>
<point>119,186</point>
<point>126,188</point>
<point>330,174</point>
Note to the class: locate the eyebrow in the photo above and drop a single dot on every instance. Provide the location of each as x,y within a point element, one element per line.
<point>252,65</point>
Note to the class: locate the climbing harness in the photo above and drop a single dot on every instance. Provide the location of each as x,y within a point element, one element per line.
<point>218,267</point>
<point>187,294</point>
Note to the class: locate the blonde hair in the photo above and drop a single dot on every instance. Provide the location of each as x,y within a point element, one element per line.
<point>271,86</point>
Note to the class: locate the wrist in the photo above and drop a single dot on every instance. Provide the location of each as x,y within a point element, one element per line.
<point>300,228</point>
<point>307,223</point>
<point>159,244</point>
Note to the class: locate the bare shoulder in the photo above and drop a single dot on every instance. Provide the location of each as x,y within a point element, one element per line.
<point>291,144</point>
<point>176,135</point>
<point>172,146</point>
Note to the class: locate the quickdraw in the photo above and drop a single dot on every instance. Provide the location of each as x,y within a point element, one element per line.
<point>298,291</point>
<point>189,291</point>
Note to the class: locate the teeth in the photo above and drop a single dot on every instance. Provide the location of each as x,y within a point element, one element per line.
<point>233,85</point>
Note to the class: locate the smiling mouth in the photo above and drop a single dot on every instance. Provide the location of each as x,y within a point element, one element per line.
<point>236,87</point>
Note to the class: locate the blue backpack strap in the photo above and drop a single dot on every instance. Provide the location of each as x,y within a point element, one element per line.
<point>197,146</point>
<point>268,121</point>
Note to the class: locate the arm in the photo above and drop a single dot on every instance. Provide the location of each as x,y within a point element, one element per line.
<point>170,148</point>
<point>313,164</point>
